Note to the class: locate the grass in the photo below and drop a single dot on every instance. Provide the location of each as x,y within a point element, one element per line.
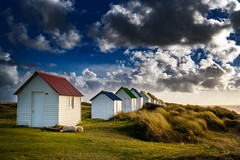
<point>109,140</point>
<point>179,123</point>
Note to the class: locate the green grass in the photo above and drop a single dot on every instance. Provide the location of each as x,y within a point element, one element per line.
<point>107,140</point>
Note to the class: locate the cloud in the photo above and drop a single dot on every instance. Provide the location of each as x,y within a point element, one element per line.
<point>49,14</point>
<point>176,28</point>
<point>51,65</point>
<point>8,73</point>
<point>87,83</point>
<point>230,5</point>
<point>67,40</point>
<point>52,32</point>
<point>164,71</point>
<point>222,49</point>
<point>156,23</point>
<point>11,79</point>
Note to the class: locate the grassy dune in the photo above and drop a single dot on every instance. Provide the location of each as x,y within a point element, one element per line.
<point>179,123</point>
<point>114,139</point>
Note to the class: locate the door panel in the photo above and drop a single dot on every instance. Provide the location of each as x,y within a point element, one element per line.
<point>126,105</point>
<point>37,109</point>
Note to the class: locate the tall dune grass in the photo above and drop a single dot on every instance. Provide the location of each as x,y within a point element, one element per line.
<point>173,122</point>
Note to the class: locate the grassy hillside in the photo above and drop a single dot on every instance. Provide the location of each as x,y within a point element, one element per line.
<point>179,123</point>
<point>113,139</point>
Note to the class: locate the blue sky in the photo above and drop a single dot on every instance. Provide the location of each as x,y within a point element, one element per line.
<point>180,50</point>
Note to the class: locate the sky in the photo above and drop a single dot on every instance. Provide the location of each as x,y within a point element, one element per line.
<point>182,51</point>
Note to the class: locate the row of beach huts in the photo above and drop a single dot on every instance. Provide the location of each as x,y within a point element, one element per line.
<point>47,99</point>
<point>107,104</point>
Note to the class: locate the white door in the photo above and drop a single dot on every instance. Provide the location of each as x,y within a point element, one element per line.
<point>37,109</point>
<point>126,105</point>
<point>118,109</point>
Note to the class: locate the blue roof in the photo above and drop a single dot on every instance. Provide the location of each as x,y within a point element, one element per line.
<point>139,94</point>
<point>109,94</point>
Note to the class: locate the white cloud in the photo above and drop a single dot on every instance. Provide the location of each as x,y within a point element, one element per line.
<point>222,49</point>
<point>67,40</point>
<point>51,65</point>
<point>8,72</point>
<point>230,5</point>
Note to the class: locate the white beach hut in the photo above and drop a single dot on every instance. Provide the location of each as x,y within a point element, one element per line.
<point>139,98</point>
<point>146,97</point>
<point>105,105</point>
<point>128,98</point>
<point>46,99</point>
<point>153,100</point>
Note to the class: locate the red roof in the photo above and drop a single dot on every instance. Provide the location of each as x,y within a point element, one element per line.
<point>155,98</point>
<point>60,84</point>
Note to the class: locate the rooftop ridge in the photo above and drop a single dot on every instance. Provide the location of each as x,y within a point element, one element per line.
<point>48,74</point>
<point>146,95</point>
<point>127,91</point>
<point>135,90</point>
<point>59,84</point>
<point>107,93</point>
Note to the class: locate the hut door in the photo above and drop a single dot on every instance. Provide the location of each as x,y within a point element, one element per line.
<point>127,105</point>
<point>37,109</point>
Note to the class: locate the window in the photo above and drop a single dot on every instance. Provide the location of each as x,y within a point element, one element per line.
<point>71,102</point>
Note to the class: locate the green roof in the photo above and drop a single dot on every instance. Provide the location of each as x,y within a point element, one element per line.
<point>145,94</point>
<point>127,91</point>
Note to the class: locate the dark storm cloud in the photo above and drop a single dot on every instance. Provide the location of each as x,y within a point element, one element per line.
<point>235,19</point>
<point>210,78</point>
<point>93,85</point>
<point>211,83</point>
<point>19,64</point>
<point>49,15</point>
<point>183,84</point>
<point>160,23</point>
<point>43,25</point>
<point>211,71</point>
<point>6,79</point>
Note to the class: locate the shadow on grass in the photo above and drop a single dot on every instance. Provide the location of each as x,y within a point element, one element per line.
<point>133,130</point>
<point>230,156</point>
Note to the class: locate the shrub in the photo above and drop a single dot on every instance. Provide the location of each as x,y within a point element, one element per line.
<point>157,127</point>
<point>213,122</point>
<point>175,122</point>
<point>224,113</point>
<point>232,123</point>
<point>187,126</point>
<point>174,113</point>
<point>162,111</point>
<point>150,106</point>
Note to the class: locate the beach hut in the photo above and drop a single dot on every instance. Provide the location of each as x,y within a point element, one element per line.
<point>46,99</point>
<point>153,100</point>
<point>128,99</point>
<point>162,102</point>
<point>146,97</point>
<point>105,105</point>
<point>157,101</point>
<point>139,98</point>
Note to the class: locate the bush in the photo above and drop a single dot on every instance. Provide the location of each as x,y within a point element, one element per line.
<point>213,122</point>
<point>178,123</point>
<point>150,106</point>
<point>224,113</point>
<point>232,123</point>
